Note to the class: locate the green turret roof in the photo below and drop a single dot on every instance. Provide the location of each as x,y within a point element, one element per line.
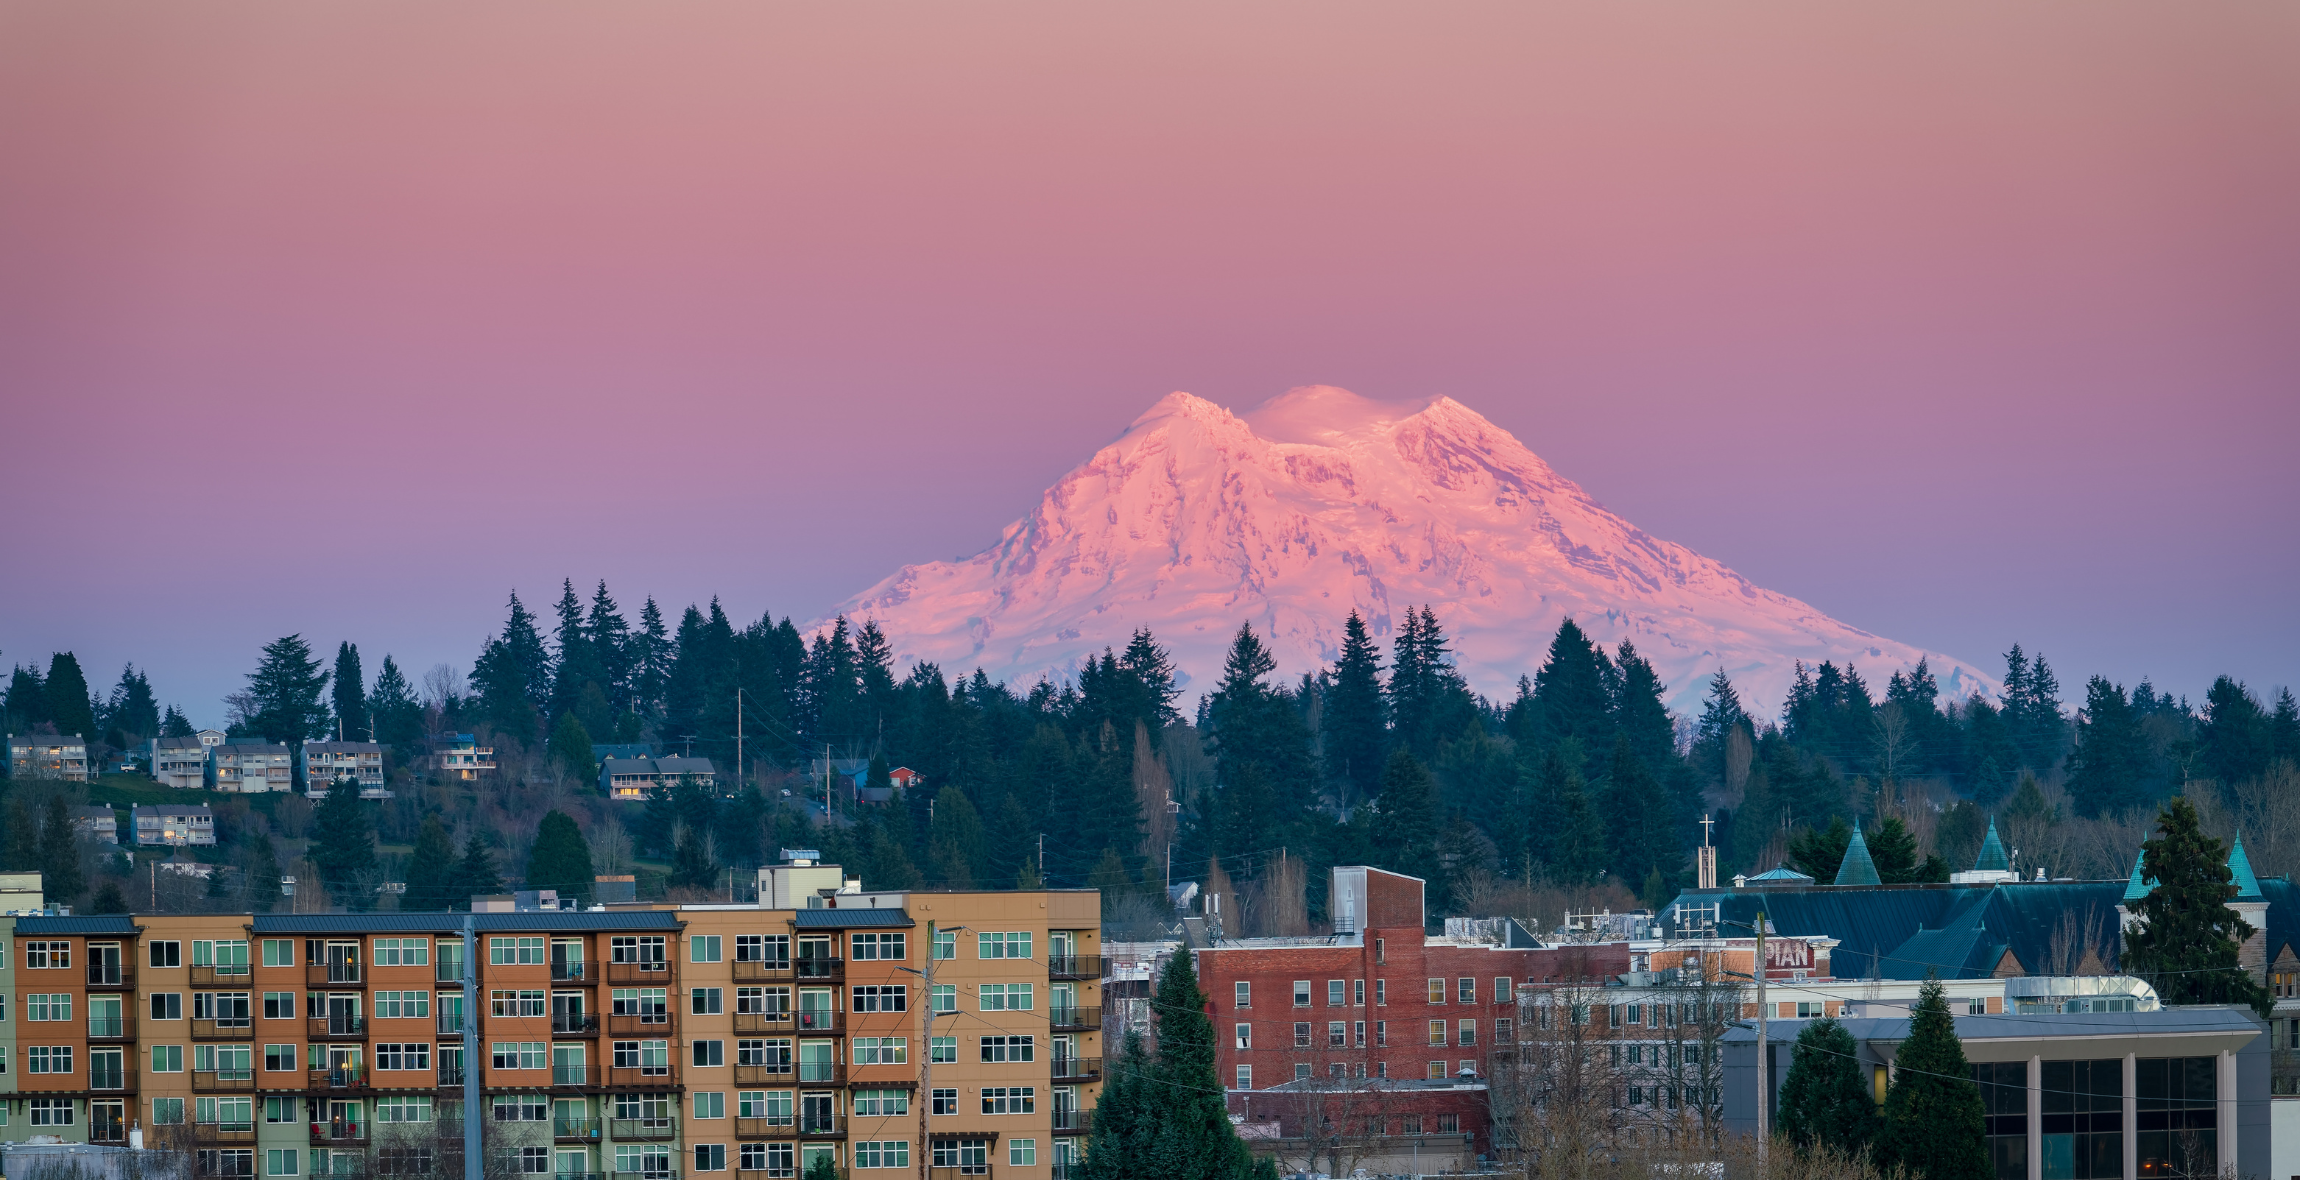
<point>1992,858</point>
<point>2136,888</point>
<point>2240,866</point>
<point>1858,868</point>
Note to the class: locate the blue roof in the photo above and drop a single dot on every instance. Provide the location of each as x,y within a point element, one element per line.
<point>1902,931</point>
<point>1782,873</point>
<point>77,924</point>
<point>1858,868</point>
<point>2135,889</point>
<point>840,918</point>
<point>1992,857</point>
<point>2240,867</point>
<point>442,922</point>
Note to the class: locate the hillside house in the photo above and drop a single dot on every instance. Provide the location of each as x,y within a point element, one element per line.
<point>50,755</point>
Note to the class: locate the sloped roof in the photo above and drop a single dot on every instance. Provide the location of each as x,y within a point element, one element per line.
<point>1992,857</point>
<point>1782,873</point>
<point>841,918</point>
<point>1902,931</point>
<point>76,924</point>
<point>2240,866</point>
<point>2136,888</point>
<point>1858,868</point>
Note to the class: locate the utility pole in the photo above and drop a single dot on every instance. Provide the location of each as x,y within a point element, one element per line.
<point>1764,1066</point>
<point>738,737</point>
<point>926,1055</point>
<point>474,1163</point>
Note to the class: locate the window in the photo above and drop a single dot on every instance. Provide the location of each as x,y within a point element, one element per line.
<point>51,1112</point>
<point>1449,1124</point>
<point>1466,989</point>
<point>946,944</point>
<point>1501,989</point>
<point>1245,1036</point>
<point>770,950</point>
<point>48,1007</point>
<point>945,998</point>
<point>279,1059</point>
<point>228,957</point>
<point>882,1153</point>
<point>997,1048</point>
<point>521,1108</point>
<point>50,956</point>
<point>1381,993</point>
<point>1242,994</point>
<point>1301,1034</point>
<point>404,1161</point>
<point>1504,1031</point>
<point>710,1104</point>
<point>167,1112</point>
<point>1333,993</point>
<point>1636,1014</point>
<point>1358,1033</point>
<point>882,1051</point>
<point>944,1050</point>
<point>1357,993</point>
<point>1006,997</point>
<point>520,1054</point>
<point>1382,1033</point>
<point>166,954</point>
<point>709,1157</point>
<point>705,1001</point>
<point>1009,1099</point>
<point>875,1103</point>
<point>650,1058</point>
<point>1337,1034</point>
<point>1437,991</point>
<point>518,1002</point>
<point>279,952</point>
<point>403,1056</point>
<point>1245,1077</point>
<point>1022,1153</point>
<point>49,1059</point>
<point>1812,1011</point>
<point>280,1161</point>
<point>1301,1071</point>
<point>401,1109</point>
<point>1436,1072</point>
<point>394,1005</point>
<point>167,1005</point>
<point>1301,993</point>
<point>1468,1033</point>
<point>945,1101</point>
<point>880,946</point>
<point>709,1054</point>
<point>887,997</point>
<point>281,1005</point>
<point>516,952</point>
<point>167,1059</point>
<point>1977,1006</point>
<point>1381,950</point>
<point>401,952</point>
<point>1003,945</point>
<point>529,1161</point>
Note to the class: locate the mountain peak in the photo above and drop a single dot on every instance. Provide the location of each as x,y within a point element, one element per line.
<point>1320,501</point>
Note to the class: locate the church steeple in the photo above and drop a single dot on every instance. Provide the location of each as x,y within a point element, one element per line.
<point>1992,858</point>
<point>1858,868</point>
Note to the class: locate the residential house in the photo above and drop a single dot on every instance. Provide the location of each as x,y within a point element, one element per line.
<point>362,762</point>
<point>458,757</point>
<point>183,761</point>
<point>602,751</point>
<point>251,766</point>
<point>101,824</point>
<point>49,755</point>
<point>637,778</point>
<point>173,824</point>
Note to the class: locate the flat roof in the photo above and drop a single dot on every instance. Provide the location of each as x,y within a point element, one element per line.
<point>450,922</point>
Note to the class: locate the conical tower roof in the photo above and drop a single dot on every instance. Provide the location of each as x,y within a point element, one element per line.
<point>1858,868</point>
<point>2247,885</point>
<point>2136,888</point>
<point>1992,858</point>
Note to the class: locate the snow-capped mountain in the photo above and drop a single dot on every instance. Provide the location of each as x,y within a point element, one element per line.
<point>1196,520</point>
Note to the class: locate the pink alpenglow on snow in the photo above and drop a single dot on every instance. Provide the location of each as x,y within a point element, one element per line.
<point>1320,502</point>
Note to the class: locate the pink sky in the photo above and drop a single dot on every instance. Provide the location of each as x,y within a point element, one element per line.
<point>1968,323</point>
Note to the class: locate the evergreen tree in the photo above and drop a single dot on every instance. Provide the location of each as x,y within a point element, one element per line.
<point>1428,699</point>
<point>1825,1102</point>
<point>2033,722</point>
<point>474,874</point>
<point>1181,1128</point>
<point>1638,713</point>
<point>576,665</point>
<point>430,868</point>
<point>131,714</point>
<point>650,657</point>
<point>108,899</point>
<point>1354,719</point>
<point>692,864</point>
<point>23,838</point>
<point>176,725</point>
<point>2107,769</point>
<point>70,708</point>
<point>343,845</point>
<point>2284,728</point>
<point>823,1168</point>
<point>287,686</point>
<point>59,855</point>
<point>1407,816</point>
<point>1153,669</point>
<point>27,699</point>
<point>1255,725</point>
<point>1641,829</point>
<point>1990,760</point>
<point>570,749</point>
<point>259,872</point>
<point>2234,741</point>
<point>1893,849</point>
<point>560,859</point>
<point>1570,694</point>
<point>513,675</point>
<point>2184,939</point>
<point>1577,851</point>
<point>1819,852</point>
<point>1125,1115</point>
<point>398,715</point>
<point>1933,1124</point>
<point>350,694</point>
<point>957,850</point>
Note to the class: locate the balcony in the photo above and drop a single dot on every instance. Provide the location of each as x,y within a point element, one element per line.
<point>822,1073</point>
<point>1075,1019</point>
<point>1075,1069</point>
<point>111,975</point>
<point>228,975</point>
<point>1073,1122</point>
<point>223,1081</point>
<point>450,1024</point>
<point>767,1174</point>
<point>119,1079</point>
<point>1074,967</point>
<point>819,970</point>
<point>342,1077</point>
<point>963,1172</point>
<point>780,1073</point>
<point>327,974</point>
<point>451,1076</point>
<point>111,1028</point>
<point>762,971</point>
<point>652,1077</point>
<point>214,1134</point>
<point>763,1128</point>
<point>656,973</point>
<point>336,1027</point>
<point>339,1133</point>
<point>821,1125</point>
<point>572,971</point>
<point>821,1022</point>
<point>643,1130</point>
<point>667,1173</point>
<point>574,1024</point>
<point>575,1130</point>
<point>447,971</point>
<point>570,1075</point>
<point>654,1024</point>
<point>762,1022</point>
<point>237,1028</point>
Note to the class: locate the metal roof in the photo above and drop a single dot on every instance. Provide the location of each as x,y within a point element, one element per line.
<point>442,922</point>
<point>77,924</point>
<point>2213,1018</point>
<point>1858,868</point>
<point>1902,931</point>
<point>834,919</point>
<point>1992,857</point>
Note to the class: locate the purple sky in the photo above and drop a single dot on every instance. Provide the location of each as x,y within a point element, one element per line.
<point>1969,323</point>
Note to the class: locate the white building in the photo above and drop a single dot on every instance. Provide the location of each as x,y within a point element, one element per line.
<point>247,766</point>
<point>324,762</point>
<point>182,762</point>
<point>101,824</point>
<point>173,824</point>
<point>48,755</point>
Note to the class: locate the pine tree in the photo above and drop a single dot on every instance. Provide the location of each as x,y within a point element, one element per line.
<point>513,675</point>
<point>1638,712</point>
<point>70,708</point>
<point>350,694</point>
<point>610,646</point>
<point>59,855</point>
<point>1125,1115</point>
<point>430,868</point>
<point>1893,849</point>
<point>1153,669</point>
<point>570,749</point>
<point>1570,695</point>
<point>176,725</point>
<point>1188,1135</point>
<point>560,858</point>
<point>27,699</point>
<point>1576,836</point>
<point>650,657</point>
<point>398,716</point>
<point>287,686</point>
<point>259,872</point>
<point>343,845</point>
<point>1824,1101</point>
<point>108,899</point>
<point>1354,719</point>
<point>1639,817</point>
<point>131,712</point>
<point>23,838</point>
<point>957,851</point>
<point>2184,939</point>
<point>2284,728</point>
<point>474,874</point>
<point>2107,769</point>
<point>1933,1124</point>
<point>2234,741</point>
<point>576,664</point>
<point>1407,815</point>
<point>1818,852</point>
<point>692,864</point>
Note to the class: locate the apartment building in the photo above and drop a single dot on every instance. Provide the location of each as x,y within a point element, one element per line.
<point>183,761</point>
<point>247,766</point>
<point>50,755</point>
<point>638,778</point>
<point>638,1043</point>
<point>101,824</point>
<point>172,824</point>
<point>458,757</point>
<point>325,762</point>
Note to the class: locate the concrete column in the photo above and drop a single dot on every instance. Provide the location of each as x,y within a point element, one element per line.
<point>2131,1116</point>
<point>2226,1135</point>
<point>2036,1118</point>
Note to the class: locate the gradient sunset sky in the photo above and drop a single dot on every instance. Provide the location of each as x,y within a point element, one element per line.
<point>1968,323</point>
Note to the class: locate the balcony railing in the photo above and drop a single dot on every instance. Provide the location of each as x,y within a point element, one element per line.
<point>667,1173</point>
<point>450,1075</point>
<point>570,1075</point>
<point>820,1022</point>
<point>111,1028</point>
<point>643,1130</point>
<point>767,1174</point>
<point>1074,967</point>
<point>574,1024</point>
<point>818,1125</point>
<point>1081,1019</point>
<point>111,975</point>
<point>652,1076</point>
<point>228,975</point>
<point>651,1024</point>
<point>763,1128</point>
<point>338,1131</point>
<point>759,1022</point>
<point>236,1028</point>
<point>571,971</point>
<point>765,1075</point>
<point>822,1073</point>
<point>107,1130</point>
<point>575,1130</point>
<point>223,1133</point>
<point>120,1079</point>
<point>334,1026</point>
<point>223,1081</point>
<point>820,970</point>
<point>963,1172</point>
<point>1075,1068</point>
<point>324,974</point>
<point>1073,1122</point>
<point>639,972</point>
<point>447,971</point>
<point>450,1023</point>
<point>762,971</point>
<point>342,1077</point>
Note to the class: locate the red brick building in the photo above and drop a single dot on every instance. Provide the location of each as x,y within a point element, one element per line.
<point>1381,997</point>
